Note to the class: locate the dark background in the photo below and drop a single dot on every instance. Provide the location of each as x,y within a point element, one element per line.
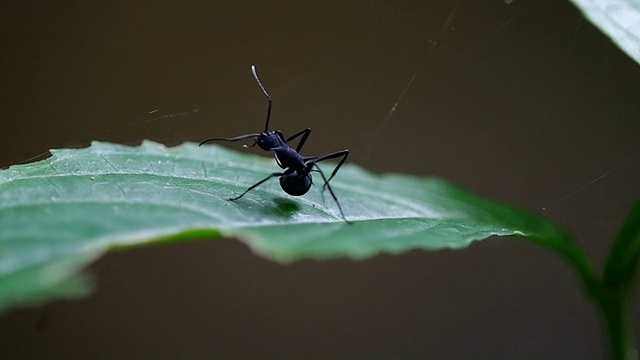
<point>523,102</point>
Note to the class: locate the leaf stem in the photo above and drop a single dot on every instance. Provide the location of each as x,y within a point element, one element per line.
<point>615,309</point>
<point>611,294</point>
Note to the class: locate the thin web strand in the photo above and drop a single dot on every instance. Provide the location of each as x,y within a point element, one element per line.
<point>432,45</point>
<point>590,183</point>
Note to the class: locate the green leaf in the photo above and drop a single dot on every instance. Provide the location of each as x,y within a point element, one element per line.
<point>39,282</point>
<point>619,277</point>
<point>59,213</point>
<point>618,19</point>
<point>622,262</point>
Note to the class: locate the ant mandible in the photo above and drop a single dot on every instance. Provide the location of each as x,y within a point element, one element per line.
<point>296,178</point>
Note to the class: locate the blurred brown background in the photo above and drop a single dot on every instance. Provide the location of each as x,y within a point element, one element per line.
<point>522,101</point>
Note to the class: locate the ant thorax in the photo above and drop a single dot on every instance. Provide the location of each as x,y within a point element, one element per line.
<point>287,157</point>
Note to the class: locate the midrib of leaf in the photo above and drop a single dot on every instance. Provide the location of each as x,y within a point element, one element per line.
<point>234,187</point>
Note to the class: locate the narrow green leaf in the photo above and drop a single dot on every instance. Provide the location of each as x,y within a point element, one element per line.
<point>618,19</point>
<point>85,201</point>
<point>622,263</point>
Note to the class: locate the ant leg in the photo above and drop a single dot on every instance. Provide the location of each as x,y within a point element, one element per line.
<point>235,138</point>
<point>333,195</point>
<point>305,134</point>
<point>256,185</point>
<point>344,153</point>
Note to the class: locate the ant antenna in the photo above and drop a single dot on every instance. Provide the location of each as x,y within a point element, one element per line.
<point>255,76</point>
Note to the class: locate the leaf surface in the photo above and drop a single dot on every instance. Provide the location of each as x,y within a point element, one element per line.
<point>60,213</point>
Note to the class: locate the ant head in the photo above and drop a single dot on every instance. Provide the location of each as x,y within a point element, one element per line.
<point>269,140</point>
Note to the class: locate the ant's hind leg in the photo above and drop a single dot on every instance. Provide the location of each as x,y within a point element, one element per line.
<point>344,153</point>
<point>333,195</point>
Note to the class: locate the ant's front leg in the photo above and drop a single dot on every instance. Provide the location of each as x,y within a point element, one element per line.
<point>275,174</point>
<point>305,134</point>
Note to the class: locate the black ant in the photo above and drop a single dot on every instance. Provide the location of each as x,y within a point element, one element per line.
<point>296,178</point>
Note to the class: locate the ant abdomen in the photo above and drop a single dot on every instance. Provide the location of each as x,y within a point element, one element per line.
<point>295,184</point>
